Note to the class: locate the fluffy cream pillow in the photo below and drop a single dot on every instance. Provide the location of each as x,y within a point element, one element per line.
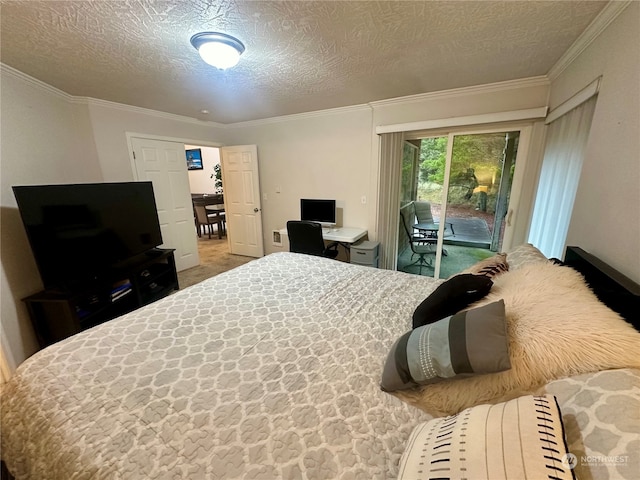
<point>556,327</point>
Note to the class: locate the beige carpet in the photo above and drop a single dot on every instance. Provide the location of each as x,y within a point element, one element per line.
<point>214,259</point>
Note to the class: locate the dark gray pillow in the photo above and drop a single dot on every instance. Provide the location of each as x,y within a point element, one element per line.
<point>450,297</point>
<point>470,342</point>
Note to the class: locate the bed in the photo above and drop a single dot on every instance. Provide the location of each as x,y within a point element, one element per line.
<point>273,371</point>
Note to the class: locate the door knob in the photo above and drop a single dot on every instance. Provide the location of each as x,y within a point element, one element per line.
<point>256,210</point>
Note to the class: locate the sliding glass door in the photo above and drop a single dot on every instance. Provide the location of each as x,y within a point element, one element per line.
<point>466,179</point>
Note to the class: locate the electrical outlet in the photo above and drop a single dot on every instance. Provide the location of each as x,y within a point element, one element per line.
<point>277,238</point>
<point>363,199</point>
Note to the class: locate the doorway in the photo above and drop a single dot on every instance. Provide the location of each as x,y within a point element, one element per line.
<point>163,161</point>
<point>232,172</point>
<point>463,181</point>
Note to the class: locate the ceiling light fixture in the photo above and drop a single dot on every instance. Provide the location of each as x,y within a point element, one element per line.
<point>218,49</point>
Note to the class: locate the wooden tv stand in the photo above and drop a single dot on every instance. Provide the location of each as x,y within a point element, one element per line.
<point>58,314</point>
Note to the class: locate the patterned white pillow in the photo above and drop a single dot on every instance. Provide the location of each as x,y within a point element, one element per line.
<point>523,438</point>
<point>525,254</point>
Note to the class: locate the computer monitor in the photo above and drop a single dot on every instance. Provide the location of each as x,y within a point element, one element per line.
<point>315,210</point>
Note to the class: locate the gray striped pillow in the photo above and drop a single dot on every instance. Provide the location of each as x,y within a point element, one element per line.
<point>469,342</point>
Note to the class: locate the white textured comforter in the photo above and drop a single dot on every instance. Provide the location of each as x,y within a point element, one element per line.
<point>268,371</point>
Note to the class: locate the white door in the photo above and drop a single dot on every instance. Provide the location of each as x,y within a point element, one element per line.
<point>164,164</point>
<point>242,200</point>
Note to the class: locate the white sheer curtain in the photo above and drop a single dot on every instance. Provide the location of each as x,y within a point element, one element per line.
<point>391,145</point>
<point>561,166</point>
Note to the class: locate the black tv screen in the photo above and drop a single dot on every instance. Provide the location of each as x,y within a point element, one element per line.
<point>316,210</point>
<point>78,232</point>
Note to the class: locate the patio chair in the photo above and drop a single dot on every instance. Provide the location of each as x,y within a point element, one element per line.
<point>424,215</point>
<point>417,245</point>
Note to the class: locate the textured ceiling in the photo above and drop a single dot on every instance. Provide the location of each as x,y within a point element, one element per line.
<point>300,56</point>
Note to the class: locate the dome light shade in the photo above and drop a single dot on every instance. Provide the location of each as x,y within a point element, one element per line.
<point>218,49</point>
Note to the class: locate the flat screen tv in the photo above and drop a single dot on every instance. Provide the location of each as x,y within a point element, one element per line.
<point>79,232</point>
<point>321,211</point>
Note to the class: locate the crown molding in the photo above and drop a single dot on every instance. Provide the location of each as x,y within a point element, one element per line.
<point>145,111</point>
<point>300,116</point>
<point>578,99</point>
<point>455,92</point>
<point>537,81</point>
<point>34,82</point>
<point>485,118</point>
<point>607,15</point>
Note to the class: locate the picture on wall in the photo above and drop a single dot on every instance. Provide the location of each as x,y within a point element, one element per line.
<point>194,159</point>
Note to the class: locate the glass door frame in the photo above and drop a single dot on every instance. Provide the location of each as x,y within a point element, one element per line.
<point>524,143</point>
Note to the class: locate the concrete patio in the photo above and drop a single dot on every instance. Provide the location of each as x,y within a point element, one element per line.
<point>468,244</point>
<point>469,232</point>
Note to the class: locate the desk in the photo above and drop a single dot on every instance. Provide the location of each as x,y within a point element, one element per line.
<point>339,234</point>
<point>345,236</point>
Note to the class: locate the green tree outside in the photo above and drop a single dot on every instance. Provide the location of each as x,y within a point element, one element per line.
<point>476,161</point>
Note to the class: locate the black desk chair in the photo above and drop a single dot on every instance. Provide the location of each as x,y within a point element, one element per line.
<point>306,237</point>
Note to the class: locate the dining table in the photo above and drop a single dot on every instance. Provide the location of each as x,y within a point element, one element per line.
<point>216,208</point>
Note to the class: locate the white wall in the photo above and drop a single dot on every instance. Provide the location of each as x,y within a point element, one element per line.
<point>321,155</point>
<point>48,137</point>
<point>332,154</point>
<point>111,122</point>
<point>606,213</point>
<point>45,138</point>
<point>200,181</point>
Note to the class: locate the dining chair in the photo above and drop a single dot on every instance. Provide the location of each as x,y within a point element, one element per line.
<point>206,220</point>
